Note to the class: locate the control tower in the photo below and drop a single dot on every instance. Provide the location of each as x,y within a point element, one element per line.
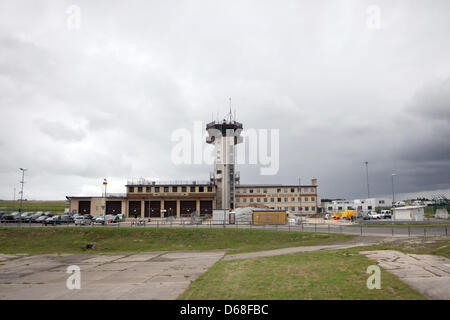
<point>225,135</point>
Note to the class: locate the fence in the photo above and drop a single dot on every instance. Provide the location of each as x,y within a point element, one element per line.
<point>406,231</point>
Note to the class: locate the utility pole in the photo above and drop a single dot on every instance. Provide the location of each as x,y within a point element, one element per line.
<point>105,183</point>
<point>393,194</point>
<point>21,192</point>
<point>367,176</point>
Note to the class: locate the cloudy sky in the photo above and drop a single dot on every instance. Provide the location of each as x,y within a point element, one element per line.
<point>99,94</point>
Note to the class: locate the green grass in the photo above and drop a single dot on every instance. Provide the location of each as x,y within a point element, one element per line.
<point>54,206</point>
<point>37,240</point>
<point>314,275</point>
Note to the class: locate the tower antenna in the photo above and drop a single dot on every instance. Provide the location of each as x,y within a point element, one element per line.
<point>231,114</point>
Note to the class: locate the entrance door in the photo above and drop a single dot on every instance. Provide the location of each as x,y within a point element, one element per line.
<point>171,208</point>
<point>84,207</point>
<point>134,209</point>
<point>205,207</point>
<point>187,207</point>
<point>113,207</point>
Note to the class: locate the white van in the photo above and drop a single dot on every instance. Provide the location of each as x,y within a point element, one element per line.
<point>386,214</point>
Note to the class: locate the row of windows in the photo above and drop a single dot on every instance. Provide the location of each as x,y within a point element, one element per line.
<point>348,208</point>
<point>276,190</point>
<point>173,189</point>
<point>301,209</point>
<point>305,199</point>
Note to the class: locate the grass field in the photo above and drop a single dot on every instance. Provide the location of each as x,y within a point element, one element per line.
<point>54,206</point>
<point>74,239</point>
<point>339,274</point>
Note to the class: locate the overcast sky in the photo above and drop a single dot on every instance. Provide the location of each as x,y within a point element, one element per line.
<point>102,100</point>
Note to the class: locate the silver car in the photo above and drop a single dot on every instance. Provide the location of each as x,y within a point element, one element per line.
<point>82,221</point>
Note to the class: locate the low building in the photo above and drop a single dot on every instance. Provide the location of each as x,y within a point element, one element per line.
<point>364,205</point>
<point>151,199</point>
<point>409,213</point>
<point>291,198</point>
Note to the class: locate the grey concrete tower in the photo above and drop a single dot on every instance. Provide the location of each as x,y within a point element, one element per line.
<point>225,135</point>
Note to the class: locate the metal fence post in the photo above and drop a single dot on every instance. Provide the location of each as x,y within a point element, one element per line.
<point>409,231</point>
<point>315,227</point>
<point>361,229</point>
<point>302,226</point>
<point>446,231</point>
<point>425,231</point>
<point>328,228</point>
<point>392,231</point>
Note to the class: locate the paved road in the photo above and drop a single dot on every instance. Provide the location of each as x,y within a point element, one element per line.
<point>428,274</point>
<point>358,242</point>
<point>149,275</point>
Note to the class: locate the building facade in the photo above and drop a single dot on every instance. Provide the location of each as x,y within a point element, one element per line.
<point>151,199</point>
<point>292,198</point>
<point>356,204</point>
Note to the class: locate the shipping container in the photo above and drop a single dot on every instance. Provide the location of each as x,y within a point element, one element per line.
<point>269,217</point>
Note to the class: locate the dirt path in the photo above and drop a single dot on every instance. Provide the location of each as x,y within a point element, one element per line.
<point>356,242</point>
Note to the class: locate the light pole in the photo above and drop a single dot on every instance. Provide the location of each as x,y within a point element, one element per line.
<point>367,176</point>
<point>21,192</point>
<point>393,194</point>
<point>105,183</point>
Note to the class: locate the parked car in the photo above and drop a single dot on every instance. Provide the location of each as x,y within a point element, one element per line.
<point>99,219</point>
<point>112,218</point>
<point>81,220</point>
<point>65,218</point>
<point>41,219</point>
<point>10,217</point>
<point>48,214</point>
<point>386,214</point>
<point>52,220</point>
<point>26,216</point>
<point>35,216</point>
<point>374,215</point>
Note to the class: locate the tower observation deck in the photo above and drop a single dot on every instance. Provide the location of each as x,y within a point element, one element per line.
<point>225,135</point>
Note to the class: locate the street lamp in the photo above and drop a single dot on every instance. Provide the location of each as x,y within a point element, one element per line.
<point>367,176</point>
<point>105,183</point>
<point>393,195</point>
<point>21,192</point>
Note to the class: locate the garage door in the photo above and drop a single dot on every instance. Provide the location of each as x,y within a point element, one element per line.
<point>155,209</point>
<point>171,207</point>
<point>187,207</point>
<point>134,209</point>
<point>113,207</point>
<point>205,207</point>
<point>84,207</point>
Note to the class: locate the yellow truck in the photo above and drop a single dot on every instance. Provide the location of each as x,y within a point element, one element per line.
<point>347,214</point>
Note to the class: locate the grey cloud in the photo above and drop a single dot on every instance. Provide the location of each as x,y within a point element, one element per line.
<point>112,92</point>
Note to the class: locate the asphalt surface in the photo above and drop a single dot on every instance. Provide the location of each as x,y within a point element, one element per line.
<point>147,275</point>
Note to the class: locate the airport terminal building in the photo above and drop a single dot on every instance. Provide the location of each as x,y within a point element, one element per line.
<point>155,199</point>
<point>180,199</point>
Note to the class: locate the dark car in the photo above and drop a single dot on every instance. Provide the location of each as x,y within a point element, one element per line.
<point>10,217</point>
<point>65,218</point>
<point>35,216</point>
<point>41,219</point>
